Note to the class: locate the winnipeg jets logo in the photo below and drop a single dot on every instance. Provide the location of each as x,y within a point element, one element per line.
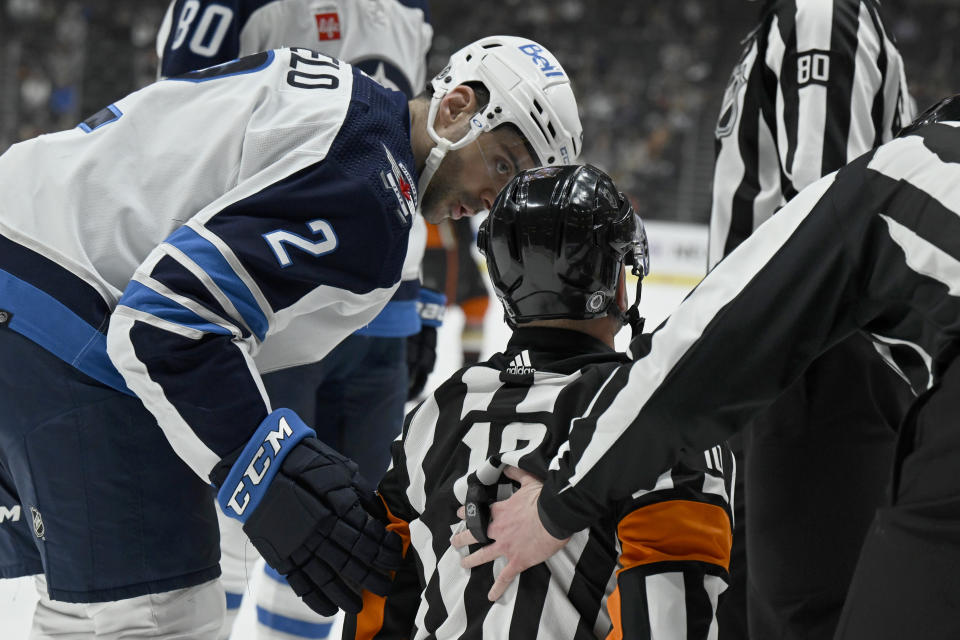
<point>399,181</point>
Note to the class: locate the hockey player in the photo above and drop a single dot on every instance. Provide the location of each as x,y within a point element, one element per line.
<point>817,84</point>
<point>873,248</point>
<point>355,395</point>
<point>556,242</point>
<point>146,256</point>
<point>388,40</point>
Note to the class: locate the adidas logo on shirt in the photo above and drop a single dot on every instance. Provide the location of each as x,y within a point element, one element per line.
<point>521,365</point>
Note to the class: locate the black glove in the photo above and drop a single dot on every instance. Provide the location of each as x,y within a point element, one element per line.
<point>422,347</point>
<point>308,511</point>
<point>421,358</point>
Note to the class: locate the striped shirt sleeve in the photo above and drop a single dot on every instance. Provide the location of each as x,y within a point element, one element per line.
<point>675,552</point>
<point>871,248</point>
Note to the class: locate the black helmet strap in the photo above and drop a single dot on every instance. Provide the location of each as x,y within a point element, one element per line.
<point>632,315</point>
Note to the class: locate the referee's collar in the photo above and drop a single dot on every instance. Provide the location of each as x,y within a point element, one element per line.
<point>552,339</point>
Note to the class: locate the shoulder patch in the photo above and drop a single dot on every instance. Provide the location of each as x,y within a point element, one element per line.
<point>400,182</point>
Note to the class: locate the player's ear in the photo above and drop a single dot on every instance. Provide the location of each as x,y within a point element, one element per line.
<point>456,109</point>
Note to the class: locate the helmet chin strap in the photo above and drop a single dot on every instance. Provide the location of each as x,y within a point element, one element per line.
<point>436,156</point>
<point>443,146</point>
<point>632,315</point>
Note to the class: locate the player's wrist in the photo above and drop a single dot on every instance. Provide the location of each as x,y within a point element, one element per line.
<point>243,486</point>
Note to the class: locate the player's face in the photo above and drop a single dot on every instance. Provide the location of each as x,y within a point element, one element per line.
<point>469,179</point>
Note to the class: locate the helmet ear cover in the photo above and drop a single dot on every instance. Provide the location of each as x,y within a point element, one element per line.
<point>555,243</point>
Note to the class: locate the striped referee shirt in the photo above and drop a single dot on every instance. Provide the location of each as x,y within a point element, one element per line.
<point>651,566</point>
<point>874,248</point>
<point>819,82</point>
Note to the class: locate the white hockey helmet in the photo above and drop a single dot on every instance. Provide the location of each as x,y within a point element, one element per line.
<point>528,88</point>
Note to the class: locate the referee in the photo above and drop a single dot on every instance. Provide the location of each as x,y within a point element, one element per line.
<point>818,83</point>
<point>873,248</point>
<point>653,565</point>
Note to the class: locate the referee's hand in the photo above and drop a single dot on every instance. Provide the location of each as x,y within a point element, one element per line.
<point>517,532</point>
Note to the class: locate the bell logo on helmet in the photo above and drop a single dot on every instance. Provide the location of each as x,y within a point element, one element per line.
<point>535,51</point>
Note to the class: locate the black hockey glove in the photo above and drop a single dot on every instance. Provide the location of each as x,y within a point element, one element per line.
<point>422,346</point>
<point>421,358</point>
<point>308,512</point>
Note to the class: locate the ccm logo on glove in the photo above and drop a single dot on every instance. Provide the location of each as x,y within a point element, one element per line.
<point>259,461</point>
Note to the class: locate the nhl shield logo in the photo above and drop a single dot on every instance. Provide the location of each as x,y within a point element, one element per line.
<point>37,523</point>
<point>399,181</point>
<point>730,108</point>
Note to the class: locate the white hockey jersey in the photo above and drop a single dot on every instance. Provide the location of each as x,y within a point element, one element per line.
<point>387,39</point>
<point>198,217</point>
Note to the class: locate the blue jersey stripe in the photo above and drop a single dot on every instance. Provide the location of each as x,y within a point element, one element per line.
<point>293,626</point>
<point>398,319</point>
<point>143,298</point>
<point>43,273</point>
<point>208,258</point>
<point>273,573</point>
<point>234,600</point>
<point>48,322</point>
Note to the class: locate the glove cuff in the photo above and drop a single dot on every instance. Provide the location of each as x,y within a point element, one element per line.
<point>259,462</point>
<point>431,307</point>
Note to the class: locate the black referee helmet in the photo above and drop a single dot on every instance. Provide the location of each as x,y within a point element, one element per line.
<point>555,241</point>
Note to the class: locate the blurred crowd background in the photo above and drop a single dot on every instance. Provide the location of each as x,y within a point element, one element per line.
<point>649,74</point>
